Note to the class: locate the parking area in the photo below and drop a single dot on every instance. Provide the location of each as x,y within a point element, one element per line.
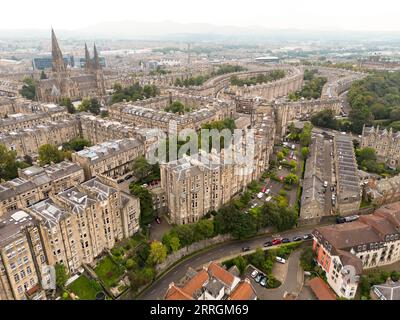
<point>157,230</point>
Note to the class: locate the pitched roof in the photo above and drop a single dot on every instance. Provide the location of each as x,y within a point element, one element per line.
<point>244,291</point>
<point>175,293</point>
<point>220,273</point>
<point>196,283</point>
<point>321,289</point>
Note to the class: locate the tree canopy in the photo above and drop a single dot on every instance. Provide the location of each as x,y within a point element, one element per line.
<point>49,153</point>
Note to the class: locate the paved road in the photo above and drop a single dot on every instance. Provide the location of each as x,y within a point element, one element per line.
<point>157,290</point>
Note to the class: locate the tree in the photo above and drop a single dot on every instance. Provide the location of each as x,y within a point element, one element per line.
<point>305,151</point>
<point>94,106</point>
<point>305,135</point>
<point>176,107</point>
<point>43,75</point>
<point>66,102</point>
<point>28,88</point>
<point>241,264</point>
<point>307,259</point>
<point>141,168</point>
<point>366,154</point>
<point>8,164</point>
<point>49,153</point>
<point>146,203</point>
<point>204,229</point>
<point>84,105</point>
<point>77,144</point>
<point>291,179</point>
<point>280,156</point>
<point>61,275</point>
<point>325,119</point>
<point>158,253</point>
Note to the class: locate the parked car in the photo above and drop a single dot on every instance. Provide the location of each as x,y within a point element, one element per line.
<point>254,274</point>
<point>276,241</point>
<point>268,244</point>
<point>325,184</point>
<point>293,147</point>
<point>120,180</point>
<point>128,177</point>
<point>263,190</point>
<point>259,277</point>
<point>263,281</point>
<point>286,240</point>
<point>268,191</point>
<point>158,220</point>
<point>268,199</point>
<point>280,260</point>
<point>280,168</point>
<point>332,188</point>
<point>297,239</point>
<point>307,236</point>
<point>244,249</point>
<point>260,195</point>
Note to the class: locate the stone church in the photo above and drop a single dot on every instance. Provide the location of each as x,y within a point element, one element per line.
<point>63,84</point>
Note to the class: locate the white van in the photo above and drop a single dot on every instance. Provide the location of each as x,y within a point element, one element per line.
<point>260,195</point>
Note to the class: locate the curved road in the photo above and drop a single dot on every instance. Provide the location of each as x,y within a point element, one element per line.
<point>158,289</point>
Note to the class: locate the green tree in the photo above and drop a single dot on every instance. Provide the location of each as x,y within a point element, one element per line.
<point>280,156</point>
<point>241,264</point>
<point>77,144</point>
<point>291,179</point>
<point>61,275</point>
<point>66,102</point>
<point>204,229</point>
<point>94,106</point>
<point>146,203</point>
<point>158,253</point>
<point>28,88</point>
<point>84,105</point>
<point>8,164</point>
<point>305,151</point>
<point>43,75</point>
<point>141,168</point>
<point>49,153</point>
<point>307,259</point>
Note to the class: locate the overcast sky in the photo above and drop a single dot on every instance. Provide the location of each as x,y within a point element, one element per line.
<point>382,15</point>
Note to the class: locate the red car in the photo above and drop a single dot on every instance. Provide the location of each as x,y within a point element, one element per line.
<point>263,190</point>
<point>276,241</point>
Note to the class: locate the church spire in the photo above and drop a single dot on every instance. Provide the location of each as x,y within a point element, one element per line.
<point>88,61</point>
<point>96,62</point>
<point>58,60</point>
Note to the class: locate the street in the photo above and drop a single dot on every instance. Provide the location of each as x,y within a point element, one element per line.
<point>157,290</point>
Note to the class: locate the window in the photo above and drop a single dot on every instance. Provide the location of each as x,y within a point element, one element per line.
<point>16,278</point>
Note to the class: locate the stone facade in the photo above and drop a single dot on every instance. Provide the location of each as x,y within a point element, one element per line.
<point>62,84</point>
<point>385,142</point>
<point>35,184</point>
<point>112,158</point>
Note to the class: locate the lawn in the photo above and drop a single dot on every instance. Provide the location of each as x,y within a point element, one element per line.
<point>85,288</point>
<point>109,272</point>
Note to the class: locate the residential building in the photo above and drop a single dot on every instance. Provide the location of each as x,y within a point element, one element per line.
<point>348,189</point>
<point>112,158</point>
<point>213,282</point>
<point>345,250</point>
<point>35,184</point>
<point>385,142</point>
<point>21,257</point>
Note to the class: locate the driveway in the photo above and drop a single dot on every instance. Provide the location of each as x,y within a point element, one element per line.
<point>158,230</point>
